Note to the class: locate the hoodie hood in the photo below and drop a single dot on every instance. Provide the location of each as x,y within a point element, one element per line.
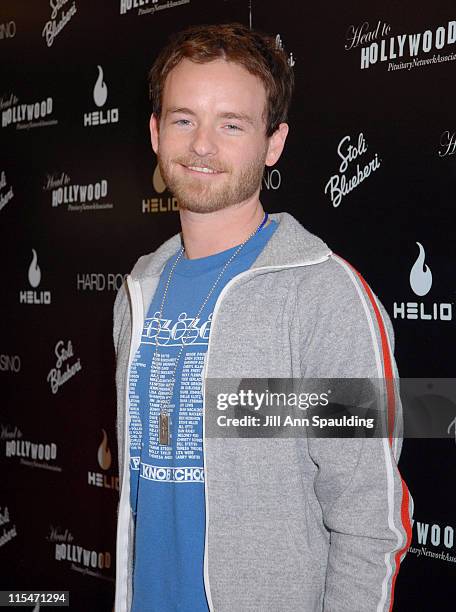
<point>299,247</point>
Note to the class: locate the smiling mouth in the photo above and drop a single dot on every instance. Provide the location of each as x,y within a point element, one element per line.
<point>201,170</point>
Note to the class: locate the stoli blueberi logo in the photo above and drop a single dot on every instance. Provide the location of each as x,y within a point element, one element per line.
<point>60,16</point>
<point>57,375</point>
<point>100,96</point>
<point>420,279</point>
<point>7,193</point>
<point>8,529</point>
<point>348,178</point>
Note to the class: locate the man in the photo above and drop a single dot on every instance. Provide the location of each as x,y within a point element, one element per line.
<point>237,524</point>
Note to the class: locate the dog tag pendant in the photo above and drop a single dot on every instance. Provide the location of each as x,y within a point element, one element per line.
<point>164,429</point>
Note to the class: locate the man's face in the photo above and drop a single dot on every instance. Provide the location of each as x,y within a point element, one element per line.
<point>211,143</point>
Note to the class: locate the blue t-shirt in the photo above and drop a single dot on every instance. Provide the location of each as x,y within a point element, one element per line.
<point>167,482</point>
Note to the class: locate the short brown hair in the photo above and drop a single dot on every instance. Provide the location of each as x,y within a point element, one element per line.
<point>256,52</point>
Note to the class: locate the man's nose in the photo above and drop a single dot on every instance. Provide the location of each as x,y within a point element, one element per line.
<point>204,141</point>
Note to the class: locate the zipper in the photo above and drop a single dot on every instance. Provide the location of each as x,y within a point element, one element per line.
<point>223,292</point>
<point>137,316</point>
<point>123,523</point>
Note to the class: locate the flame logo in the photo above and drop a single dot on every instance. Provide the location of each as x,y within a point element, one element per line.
<point>100,91</point>
<point>34,272</point>
<point>420,274</point>
<point>157,180</point>
<point>104,454</point>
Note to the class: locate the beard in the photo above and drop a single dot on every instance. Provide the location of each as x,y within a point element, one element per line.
<point>203,195</point>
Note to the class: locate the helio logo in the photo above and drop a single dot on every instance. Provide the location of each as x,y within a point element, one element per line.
<point>100,91</point>
<point>104,457</point>
<point>421,282</point>
<point>100,95</point>
<point>163,203</point>
<point>34,272</point>
<point>420,274</point>
<point>34,278</point>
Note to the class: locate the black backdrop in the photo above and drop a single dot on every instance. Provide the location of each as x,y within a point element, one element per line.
<point>80,200</point>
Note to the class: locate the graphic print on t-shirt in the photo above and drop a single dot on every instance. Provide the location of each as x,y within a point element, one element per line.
<point>167,481</point>
<point>167,337</point>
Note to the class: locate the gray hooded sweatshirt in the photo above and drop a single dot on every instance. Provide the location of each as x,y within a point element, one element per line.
<point>292,524</point>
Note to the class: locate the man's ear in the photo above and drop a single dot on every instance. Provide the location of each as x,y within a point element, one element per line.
<point>154,126</point>
<point>276,144</point>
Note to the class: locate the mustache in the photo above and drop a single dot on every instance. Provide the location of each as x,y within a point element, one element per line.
<point>200,164</point>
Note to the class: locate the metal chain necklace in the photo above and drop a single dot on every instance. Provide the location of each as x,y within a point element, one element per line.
<point>163,425</point>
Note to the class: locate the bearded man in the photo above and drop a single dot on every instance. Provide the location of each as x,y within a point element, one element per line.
<point>240,524</point>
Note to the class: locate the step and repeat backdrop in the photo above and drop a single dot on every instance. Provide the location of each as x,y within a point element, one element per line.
<point>369,166</point>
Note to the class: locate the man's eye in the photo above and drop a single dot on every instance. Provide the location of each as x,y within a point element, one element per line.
<point>182,121</point>
<point>233,127</point>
